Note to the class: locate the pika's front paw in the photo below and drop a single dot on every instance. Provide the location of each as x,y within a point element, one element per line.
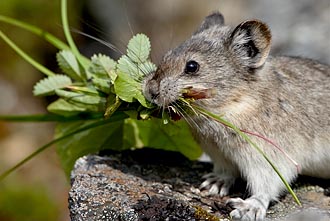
<point>217,184</point>
<point>251,209</point>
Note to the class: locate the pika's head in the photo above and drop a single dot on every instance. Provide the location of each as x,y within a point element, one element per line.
<point>216,58</point>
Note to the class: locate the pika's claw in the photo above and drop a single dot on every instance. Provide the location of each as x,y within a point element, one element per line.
<point>251,209</point>
<point>217,184</point>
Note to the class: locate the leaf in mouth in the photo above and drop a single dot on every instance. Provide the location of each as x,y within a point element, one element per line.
<point>198,93</point>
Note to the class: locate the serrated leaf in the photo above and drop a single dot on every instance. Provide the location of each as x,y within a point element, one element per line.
<point>128,89</point>
<point>136,71</point>
<point>126,65</point>
<point>131,69</point>
<point>147,67</point>
<point>138,48</point>
<point>129,77</point>
<point>69,64</point>
<point>81,98</point>
<point>64,108</point>
<point>102,84</point>
<point>102,65</point>
<point>47,86</point>
<point>113,76</point>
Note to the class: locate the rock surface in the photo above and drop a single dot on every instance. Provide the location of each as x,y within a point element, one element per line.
<point>157,185</point>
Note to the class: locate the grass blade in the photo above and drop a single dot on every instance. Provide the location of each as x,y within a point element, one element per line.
<point>37,31</point>
<point>247,139</point>
<point>56,42</point>
<point>68,36</point>
<point>274,145</point>
<point>25,56</point>
<point>115,117</point>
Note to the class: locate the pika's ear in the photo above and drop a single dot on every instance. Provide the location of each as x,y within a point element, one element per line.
<point>215,18</point>
<point>250,43</point>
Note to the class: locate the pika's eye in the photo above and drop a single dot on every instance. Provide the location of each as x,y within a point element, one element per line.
<point>192,67</point>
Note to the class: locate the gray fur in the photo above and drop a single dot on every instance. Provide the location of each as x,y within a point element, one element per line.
<point>285,99</point>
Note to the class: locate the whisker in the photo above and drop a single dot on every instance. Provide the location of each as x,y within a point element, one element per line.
<point>127,19</point>
<point>184,115</point>
<point>94,27</point>
<point>188,117</point>
<point>103,42</point>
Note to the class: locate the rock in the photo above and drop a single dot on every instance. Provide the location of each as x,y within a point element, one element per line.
<point>159,185</point>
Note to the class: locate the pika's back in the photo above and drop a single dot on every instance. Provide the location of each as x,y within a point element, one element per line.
<point>303,92</point>
<point>305,79</point>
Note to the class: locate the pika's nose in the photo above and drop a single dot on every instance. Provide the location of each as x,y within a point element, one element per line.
<point>153,89</point>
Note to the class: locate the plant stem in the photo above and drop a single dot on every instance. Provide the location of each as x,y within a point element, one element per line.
<point>84,90</point>
<point>68,35</point>
<point>25,56</point>
<point>110,110</point>
<point>35,30</point>
<point>36,118</point>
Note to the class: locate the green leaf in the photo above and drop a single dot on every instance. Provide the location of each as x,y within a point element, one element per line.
<point>138,48</point>
<point>135,70</point>
<point>108,136</point>
<point>147,67</point>
<point>127,66</point>
<point>102,84</point>
<point>47,86</point>
<point>174,136</point>
<point>81,98</point>
<point>69,64</point>
<point>101,66</point>
<point>64,108</point>
<point>128,89</point>
<point>131,69</point>
<point>124,134</point>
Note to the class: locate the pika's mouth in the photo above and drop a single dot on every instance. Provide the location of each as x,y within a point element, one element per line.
<point>182,106</point>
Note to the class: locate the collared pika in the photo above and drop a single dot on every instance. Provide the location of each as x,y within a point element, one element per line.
<point>285,99</point>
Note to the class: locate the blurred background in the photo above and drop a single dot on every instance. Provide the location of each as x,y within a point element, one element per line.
<point>38,190</point>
